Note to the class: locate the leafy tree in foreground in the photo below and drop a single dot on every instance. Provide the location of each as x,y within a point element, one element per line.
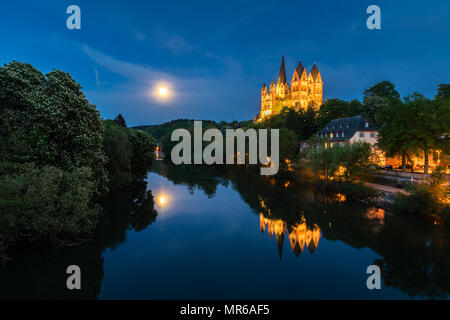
<point>47,120</point>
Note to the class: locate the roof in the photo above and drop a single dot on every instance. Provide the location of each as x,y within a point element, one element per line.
<point>348,125</point>
<point>299,68</point>
<point>314,71</point>
<point>282,74</point>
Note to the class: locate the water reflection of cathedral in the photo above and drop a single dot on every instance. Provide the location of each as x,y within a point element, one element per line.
<point>300,235</point>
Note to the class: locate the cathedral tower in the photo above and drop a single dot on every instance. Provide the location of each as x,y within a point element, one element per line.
<point>305,90</point>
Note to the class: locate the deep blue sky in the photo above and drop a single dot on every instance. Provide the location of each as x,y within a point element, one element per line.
<point>215,55</point>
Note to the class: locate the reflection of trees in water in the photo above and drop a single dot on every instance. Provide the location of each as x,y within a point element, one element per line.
<point>414,256</point>
<point>205,178</point>
<point>37,273</point>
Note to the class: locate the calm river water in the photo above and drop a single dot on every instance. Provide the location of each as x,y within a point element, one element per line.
<point>232,234</point>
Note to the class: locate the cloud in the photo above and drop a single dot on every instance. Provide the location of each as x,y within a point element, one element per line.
<point>215,97</point>
<point>123,68</point>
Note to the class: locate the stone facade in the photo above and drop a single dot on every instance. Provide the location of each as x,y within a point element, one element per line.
<point>305,90</point>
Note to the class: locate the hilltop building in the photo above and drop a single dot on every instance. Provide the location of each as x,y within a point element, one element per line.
<point>305,90</point>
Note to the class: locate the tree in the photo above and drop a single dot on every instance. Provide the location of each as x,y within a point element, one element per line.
<point>374,105</point>
<point>118,148</point>
<point>335,109</point>
<point>355,158</point>
<point>323,161</point>
<point>443,91</point>
<point>120,120</point>
<point>47,120</point>
<point>395,133</point>
<point>383,89</point>
<point>426,125</point>
<point>289,147</point>
<point>143,146</point>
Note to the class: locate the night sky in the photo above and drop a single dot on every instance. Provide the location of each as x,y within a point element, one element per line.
<point>213,56</point>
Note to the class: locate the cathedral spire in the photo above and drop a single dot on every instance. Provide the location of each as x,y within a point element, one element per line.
<point>282,74</point>
<point>314,71</point>
<point>299,68</point>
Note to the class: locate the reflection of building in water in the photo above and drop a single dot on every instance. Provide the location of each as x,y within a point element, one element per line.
<point>299,234</point>
<point>377,217</point>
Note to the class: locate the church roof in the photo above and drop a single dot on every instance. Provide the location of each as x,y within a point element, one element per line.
<point>314,71</point>
<point>264,85</point>
<point>347,125</point>
<point>282,75</point>
<point>299,68</point>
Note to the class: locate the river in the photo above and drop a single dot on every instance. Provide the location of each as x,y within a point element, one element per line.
<point>211,233</point>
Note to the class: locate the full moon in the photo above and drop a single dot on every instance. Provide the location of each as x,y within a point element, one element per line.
<point>162,91</point>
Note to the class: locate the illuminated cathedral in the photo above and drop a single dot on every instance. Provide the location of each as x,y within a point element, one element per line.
<point>305,90</point>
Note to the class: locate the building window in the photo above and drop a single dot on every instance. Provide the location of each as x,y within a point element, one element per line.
<point>367,124</point>
<point>337,134</point>
<point>331,134</point>
<point>373,134</point>
<point>362,135</point>
<point>342,134</point>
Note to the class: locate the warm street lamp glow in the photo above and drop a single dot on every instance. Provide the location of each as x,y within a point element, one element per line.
<point>162,200</point>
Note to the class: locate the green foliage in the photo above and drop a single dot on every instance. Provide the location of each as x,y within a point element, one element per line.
<point>45,201</point>
<point>443,91</point>
<point>119,151</point>
<point>350,161</point>
<point>335,109</point>
<point>415,126</point>
<point>430,198</point>
<point>374,105</point>
<point>355,158</point>
<point>47,120</point>
<point>130,154</point>
<point>288,147</point>
<point>120,120</point>
<point>385,89</point>
<point>143,147</point>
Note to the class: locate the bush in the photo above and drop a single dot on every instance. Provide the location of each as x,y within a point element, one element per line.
<point>45,201</point>
<point>430,198</point>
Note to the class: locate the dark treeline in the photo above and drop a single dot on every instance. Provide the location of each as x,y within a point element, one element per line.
<point>58,158</point>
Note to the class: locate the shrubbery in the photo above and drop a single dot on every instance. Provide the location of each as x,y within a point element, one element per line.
<point>431,198</point>
<point>45,201</point>
<point>349,162</point>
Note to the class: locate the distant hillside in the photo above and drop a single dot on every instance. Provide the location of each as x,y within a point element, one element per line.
<point>158,131</point>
